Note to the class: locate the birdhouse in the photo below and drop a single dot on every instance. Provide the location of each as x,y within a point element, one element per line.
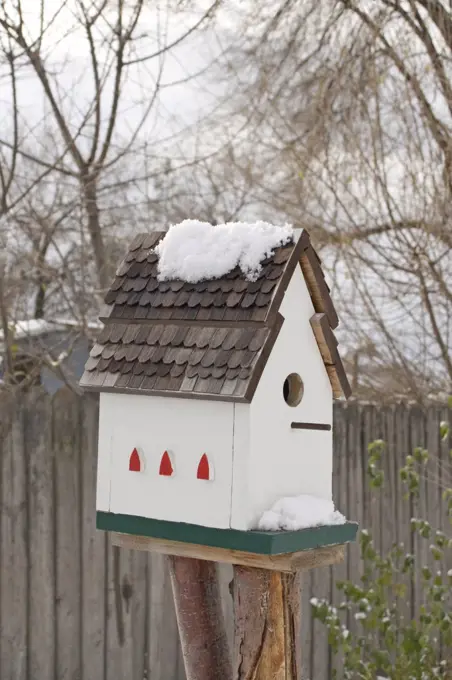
<point>217,368</point>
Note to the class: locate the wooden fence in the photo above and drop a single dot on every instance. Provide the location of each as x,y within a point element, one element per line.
<point>74,608</point>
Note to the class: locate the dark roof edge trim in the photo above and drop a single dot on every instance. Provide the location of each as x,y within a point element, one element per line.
<point>301,245</point>
<point>167,393</point>
<point>333,362</point>
<point>306,257</point>
<point>318,289</point>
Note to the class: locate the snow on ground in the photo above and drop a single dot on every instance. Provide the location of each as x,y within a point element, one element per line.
<point>194,251</point>
<point>300,512</point>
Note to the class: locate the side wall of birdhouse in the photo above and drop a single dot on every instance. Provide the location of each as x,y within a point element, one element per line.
<point>183,472</point>
<point>284,461</point>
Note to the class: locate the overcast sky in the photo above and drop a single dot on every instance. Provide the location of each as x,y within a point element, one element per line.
<point>182,100</point>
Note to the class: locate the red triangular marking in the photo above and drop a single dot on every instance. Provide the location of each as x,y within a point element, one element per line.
<point>203,468</point>
<point>134,462</point>
<point>166,468</point>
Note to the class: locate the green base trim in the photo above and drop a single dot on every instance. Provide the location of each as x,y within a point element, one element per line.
<point>259,542</point>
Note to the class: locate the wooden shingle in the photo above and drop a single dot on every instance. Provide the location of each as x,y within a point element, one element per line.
<point>170,353</point>
<point>210,338</point>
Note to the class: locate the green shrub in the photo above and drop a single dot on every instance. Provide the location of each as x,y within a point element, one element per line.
<point>389,643</point>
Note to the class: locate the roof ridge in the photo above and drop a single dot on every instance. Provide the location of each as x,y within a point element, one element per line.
<point>137,293</point>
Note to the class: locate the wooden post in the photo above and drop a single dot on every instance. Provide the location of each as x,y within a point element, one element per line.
<point>267,606</point>
<point>200,619</point>
<point>267,636</point>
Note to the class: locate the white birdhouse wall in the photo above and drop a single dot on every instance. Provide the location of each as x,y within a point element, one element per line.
<point>286,461</point>
<point>166,458</point>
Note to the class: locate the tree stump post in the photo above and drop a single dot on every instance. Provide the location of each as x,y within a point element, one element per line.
<point>200,619</point>
<point>266,591</point>
<point>267,631</point>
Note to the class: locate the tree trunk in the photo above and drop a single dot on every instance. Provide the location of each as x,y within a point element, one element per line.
<point>8,370</point>
<point>89,186</point>
<point>267,637</point>
<point>200,619</point>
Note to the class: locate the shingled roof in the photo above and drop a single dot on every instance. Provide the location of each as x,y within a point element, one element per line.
<point>209,339</point>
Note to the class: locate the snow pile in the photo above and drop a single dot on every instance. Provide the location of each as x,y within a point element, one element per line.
<point>300,512</point>
<point>194,251</point>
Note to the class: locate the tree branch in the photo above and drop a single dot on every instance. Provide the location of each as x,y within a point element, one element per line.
<point>179,40</point>
<point>363,233</point>
<point>442,18</point>
<point>436,128</point>
<point>123,37</point>
<point>434,323</point>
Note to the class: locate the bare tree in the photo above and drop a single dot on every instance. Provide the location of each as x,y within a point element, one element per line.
<point>8,161</point>
<point>90,142</point>
<point>344,111</point>
<point>85,169</point>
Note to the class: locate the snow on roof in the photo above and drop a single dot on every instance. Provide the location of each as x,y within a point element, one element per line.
<point>300,512</point>
<point>194,251</point>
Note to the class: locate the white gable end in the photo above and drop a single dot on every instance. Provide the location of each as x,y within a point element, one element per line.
<point>283,461</point>
<point>295,351</point>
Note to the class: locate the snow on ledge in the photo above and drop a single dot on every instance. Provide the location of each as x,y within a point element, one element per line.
<point>194,251</point>
<point>300,512</point>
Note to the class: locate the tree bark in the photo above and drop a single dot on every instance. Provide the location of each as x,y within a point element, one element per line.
<point>267,637</point>
<point>8,370</point>
<point>200,619</point>
<point>89,185</point>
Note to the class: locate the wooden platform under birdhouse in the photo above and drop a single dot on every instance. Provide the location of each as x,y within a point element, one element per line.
<point>278,550</point>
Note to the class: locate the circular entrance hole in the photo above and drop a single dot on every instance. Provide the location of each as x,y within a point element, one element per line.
<point>293,389</point>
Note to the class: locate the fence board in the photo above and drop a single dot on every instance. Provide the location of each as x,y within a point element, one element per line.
<point>403,448</point>
<point>420,509</point>
<point>307,627</point>
<point>320,666</point>
<point>119,653</point>
<point>435,502</point>
<point>444,448</point>
<point>14,552</point>
<point>374,500</point>
<point>341,465</point>
<point>140,593</point>
<point>390,506</point>
<point>356,498</point>
<point>164,647</point>
<point>66,457</point>
<point>61,592</point>
<point>93,556</point>
<point>42,638</point>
